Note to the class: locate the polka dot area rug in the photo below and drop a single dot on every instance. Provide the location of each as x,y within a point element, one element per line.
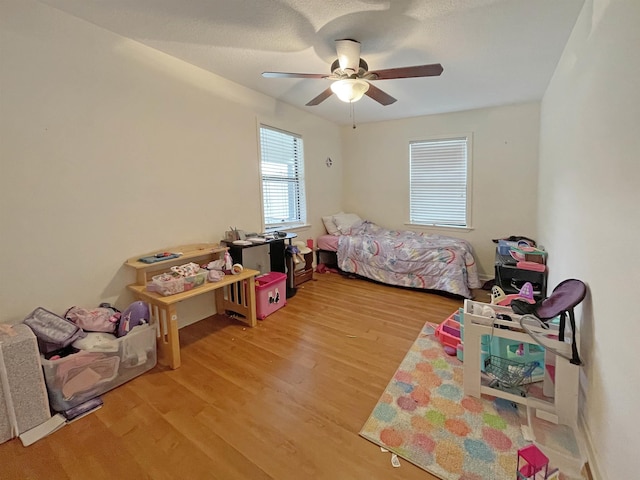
<point>424,417</point>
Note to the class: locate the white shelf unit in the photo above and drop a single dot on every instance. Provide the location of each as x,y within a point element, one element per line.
<point>561,389</point>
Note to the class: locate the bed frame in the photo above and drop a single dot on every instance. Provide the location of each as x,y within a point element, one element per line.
<point>328,257</point>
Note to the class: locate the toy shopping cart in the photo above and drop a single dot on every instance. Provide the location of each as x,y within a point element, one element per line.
<point>508,375</point>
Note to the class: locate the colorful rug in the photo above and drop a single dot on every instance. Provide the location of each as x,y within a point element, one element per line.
<point>424,417</point>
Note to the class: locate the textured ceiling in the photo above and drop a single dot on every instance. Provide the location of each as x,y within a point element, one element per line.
<point>494,52</point>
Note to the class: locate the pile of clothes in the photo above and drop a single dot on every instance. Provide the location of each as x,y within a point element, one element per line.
<point>83,351</point>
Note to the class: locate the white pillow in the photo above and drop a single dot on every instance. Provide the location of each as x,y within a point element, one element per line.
<point>344,221</point>
<point>330,225</point>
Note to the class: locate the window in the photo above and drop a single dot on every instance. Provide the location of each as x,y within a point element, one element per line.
<point>282,170</point>
<point>439,183</point>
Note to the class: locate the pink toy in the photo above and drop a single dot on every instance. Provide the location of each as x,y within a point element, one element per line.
<point>135,314</point>
<point>448,332</point>
<point>498,297</point>
<point>536,267</point>
<point>533,461</point>
<point>449,350</point>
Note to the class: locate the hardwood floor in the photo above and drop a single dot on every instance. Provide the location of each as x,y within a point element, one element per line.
<point>284,400</point>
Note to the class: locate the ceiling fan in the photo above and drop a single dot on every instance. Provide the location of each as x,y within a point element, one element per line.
<point>352,77</point>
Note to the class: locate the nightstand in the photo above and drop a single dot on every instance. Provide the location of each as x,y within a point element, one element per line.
<point>302,275</point>
<point>510,278</point>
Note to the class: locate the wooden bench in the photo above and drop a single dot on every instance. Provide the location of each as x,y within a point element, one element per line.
<point>234,293</point>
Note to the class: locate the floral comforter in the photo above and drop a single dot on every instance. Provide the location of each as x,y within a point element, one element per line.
<point>409,259</point>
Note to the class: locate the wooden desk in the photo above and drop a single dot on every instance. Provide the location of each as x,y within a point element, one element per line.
<point>277,257</point>
<point>235,293</point>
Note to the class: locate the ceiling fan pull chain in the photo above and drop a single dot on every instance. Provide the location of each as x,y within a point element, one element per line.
<point>353,114</point>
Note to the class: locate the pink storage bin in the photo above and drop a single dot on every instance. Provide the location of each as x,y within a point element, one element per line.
<point>448,332</point>
<point>271,293</point>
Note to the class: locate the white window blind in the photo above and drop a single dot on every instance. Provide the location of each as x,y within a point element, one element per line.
<point>282,169</point>
<point>438,182</point>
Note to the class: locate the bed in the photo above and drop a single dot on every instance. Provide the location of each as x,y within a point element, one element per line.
<point>400,257</point>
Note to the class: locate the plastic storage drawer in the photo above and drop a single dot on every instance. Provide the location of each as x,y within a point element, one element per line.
<point>271,293</point>
<point>78,377</point>
<point>196,280</point>
<point>166,284</point>
<point>23,395</point>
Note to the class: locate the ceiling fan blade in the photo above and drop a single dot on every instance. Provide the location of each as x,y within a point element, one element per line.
<point>379,96</point>
<point>348,54</point>
<point>293,75</point>
<point>432,70</point>
<point>320,98</point>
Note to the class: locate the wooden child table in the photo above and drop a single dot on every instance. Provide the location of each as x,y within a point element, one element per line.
<point>235,293</point>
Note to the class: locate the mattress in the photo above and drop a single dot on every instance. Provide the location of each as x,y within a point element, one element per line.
<point>409,259</point>
<point>328,243</point>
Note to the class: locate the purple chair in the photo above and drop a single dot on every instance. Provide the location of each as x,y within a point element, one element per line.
<point>562,300</point>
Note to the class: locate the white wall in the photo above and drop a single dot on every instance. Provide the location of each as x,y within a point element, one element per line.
<point>110,149</point>
<point>588,217</point>
<point>505,172</point>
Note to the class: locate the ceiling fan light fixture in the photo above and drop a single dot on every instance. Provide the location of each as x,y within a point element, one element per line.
<point>350,90</point>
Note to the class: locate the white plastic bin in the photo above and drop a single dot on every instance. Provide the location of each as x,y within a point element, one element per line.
<point>76,378</point>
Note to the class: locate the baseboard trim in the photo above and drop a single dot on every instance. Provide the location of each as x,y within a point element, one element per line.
<point>594,471</point>
<point>483,277</point>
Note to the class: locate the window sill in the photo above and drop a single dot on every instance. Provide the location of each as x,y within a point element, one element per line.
<point>288,228</point>
<point>439,227</point>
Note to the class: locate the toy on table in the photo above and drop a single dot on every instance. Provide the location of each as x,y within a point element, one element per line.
<point>526,252</point>
<point>160,257</point>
